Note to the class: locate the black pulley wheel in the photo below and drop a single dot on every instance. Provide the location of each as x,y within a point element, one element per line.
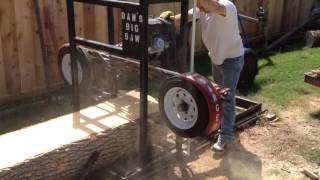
<point>64,64</point>
<point>184,108</point>
<point>249,71</point>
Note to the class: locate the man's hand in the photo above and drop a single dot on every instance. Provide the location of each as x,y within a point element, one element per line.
<point>167,15</point>
<point>208,6</point>
<point>200,5</point>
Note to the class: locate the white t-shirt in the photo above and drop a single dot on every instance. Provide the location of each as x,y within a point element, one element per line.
<point>221,34</point>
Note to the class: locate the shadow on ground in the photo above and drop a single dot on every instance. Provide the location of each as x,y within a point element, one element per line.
<point>268,63</point>
<point>315,115</point>
<point>40,109</point>
<point>238,163</point>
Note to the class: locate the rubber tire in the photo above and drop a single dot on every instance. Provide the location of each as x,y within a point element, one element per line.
<point>249,71</point>
<point>84,63</point>
<point>203,111</point>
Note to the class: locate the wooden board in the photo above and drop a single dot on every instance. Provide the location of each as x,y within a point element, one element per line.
<point>59,34</point>
<point>89,21</point>
<point>51,41</point>
<point>305,8</point>
<point>39,64</point>
<point>101,24</point>
<point>117,25</point>
<point>26,47</point>
<point>59,148</point>
<point>294,14</point>
<point>290,15</point>
<point>3,86</point>
<point>275,16</point>
<point>9,45</point>
<point>249,8</point>
<point>79,19</point>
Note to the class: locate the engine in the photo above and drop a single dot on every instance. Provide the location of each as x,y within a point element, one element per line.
<point>162,35</point>
<point>161,39</point>
<point>162,44</point>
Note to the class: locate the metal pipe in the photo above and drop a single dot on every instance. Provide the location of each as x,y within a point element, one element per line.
<point>98,45</point>
<point>193,36</point>
<point>249,19</point>
<point>110,25</point>
<point>184,21</point>
<point>143,123</point>
<point>74,67</point>
<point>113,3</point>
<point>44,51</point>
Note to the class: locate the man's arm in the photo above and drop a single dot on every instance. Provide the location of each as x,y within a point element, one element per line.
<point>177,18</point>
<point>212,6</point>
<point>206,6</point>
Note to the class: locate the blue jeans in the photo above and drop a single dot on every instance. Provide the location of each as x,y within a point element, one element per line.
<point>227,75</point>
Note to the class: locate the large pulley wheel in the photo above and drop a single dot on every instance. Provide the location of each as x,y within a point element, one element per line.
<point>64,64</point>
<point>184,108</point>
<point>249,71</point>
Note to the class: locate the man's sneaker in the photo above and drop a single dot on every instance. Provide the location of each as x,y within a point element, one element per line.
<point>219,146</point>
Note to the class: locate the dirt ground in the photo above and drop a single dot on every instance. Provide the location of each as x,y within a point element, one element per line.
<point>277,150</point>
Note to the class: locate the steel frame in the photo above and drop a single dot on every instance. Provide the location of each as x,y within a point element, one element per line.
<point>143,8</point>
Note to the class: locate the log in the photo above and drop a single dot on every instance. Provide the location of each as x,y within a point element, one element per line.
<point>313,38</point>
<point>57,150</point>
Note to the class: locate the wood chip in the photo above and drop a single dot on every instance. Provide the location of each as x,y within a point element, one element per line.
<point>276,119</point>
<point>310,174</point>
<point>316,72</point>
<point>273,124</point>
<point>286,170</point>
<point>271,117</point>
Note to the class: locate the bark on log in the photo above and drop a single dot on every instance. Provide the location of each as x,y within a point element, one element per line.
<point>313,38</point>
<point>65,162</point>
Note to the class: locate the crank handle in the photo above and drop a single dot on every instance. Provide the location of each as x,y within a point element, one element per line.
<point>224,93</point>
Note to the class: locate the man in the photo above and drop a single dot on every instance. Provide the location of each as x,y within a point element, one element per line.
<point>221,36</point>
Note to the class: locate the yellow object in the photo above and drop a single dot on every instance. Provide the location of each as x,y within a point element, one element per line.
<point>168,15</point>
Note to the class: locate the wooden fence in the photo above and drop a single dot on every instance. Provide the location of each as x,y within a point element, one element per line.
<point>283,14</point>
<point>22,68</point>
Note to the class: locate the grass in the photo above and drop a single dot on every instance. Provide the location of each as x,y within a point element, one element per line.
<point>281,76</point>
<point>315,157</point>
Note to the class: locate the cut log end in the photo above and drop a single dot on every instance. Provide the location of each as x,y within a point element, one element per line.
<point>313,38</point>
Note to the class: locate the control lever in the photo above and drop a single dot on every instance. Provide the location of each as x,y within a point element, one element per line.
<point>224,93</point>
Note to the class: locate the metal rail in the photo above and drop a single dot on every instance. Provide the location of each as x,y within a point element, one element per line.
<point>114,3</point>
